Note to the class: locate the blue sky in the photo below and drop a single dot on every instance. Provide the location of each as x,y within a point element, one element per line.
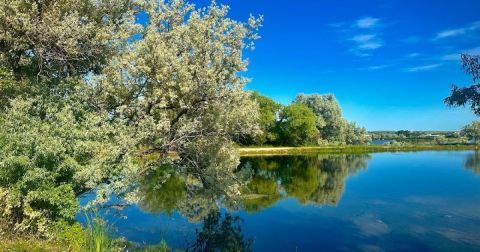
<point>389,63</point>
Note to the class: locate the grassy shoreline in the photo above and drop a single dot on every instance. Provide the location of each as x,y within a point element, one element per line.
<point>347,149</point>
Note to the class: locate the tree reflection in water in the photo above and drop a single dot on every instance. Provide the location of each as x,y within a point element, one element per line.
<point>309,179</point>
<point>317,179</point>
<point>473,162</point>
<point>166,192</point>
<point>221,233</point>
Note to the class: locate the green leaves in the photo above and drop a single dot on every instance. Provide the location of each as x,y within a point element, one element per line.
<point>268,110</point>
<point>58,39</point>
<point>461,96</point>
<point>297,125</point>
<point>83,106</point>
<point>356,135</point>
<point>472,131</point>
<point>330,120</point>
<point>50,157</point>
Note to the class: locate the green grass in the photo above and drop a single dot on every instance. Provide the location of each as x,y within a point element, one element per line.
<point>162,247</point>
<point>348,149</point>
<point>65,237</point>
<point>97,235</point>
<point>29,245</point>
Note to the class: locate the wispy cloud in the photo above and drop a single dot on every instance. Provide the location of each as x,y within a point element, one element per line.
<point>362,38</point>
<point>413,55</point>
<point>364,33</point>
<point>458,31</point>
<point>422,68</point>
<point>370,45</point>
<point>367,22</point>
<point>456,56</point>
<point>367,37</point>
<point>376,67</point>
<point>367,41</point>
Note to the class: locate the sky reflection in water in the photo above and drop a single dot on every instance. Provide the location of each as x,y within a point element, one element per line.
<point>424,201</point>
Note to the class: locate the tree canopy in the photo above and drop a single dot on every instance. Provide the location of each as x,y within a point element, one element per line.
<point>92,100</point>
<point>461,96</point>
<point>330,122</point>
<point>268,111</point>
<point>356,135</point>
<point>280,125</point>
<point>297,125</point>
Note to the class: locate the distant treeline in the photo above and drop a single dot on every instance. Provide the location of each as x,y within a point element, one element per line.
<point>401,134</point>
<point>309,120</point>
<point>424,137</point>
<point>470,133</point>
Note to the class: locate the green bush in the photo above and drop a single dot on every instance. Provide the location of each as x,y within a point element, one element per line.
<point>51,153</point>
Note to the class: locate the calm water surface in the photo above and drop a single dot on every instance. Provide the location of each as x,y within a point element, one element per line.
<point>422,201</point>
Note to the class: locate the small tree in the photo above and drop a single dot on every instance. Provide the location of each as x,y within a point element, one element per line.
<point>472,131</point>
<point>356,135</point>
<point>441,140</point>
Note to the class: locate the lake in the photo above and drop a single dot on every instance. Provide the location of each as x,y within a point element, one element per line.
<point>422,201</point>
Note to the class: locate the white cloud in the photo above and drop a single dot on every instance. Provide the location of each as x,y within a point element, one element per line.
<point>459,31</point>
<point>362,38</point>
<point>451,33</point>
<point>377,67</point>
<point>422,68</point>
<point>367,22</point>
<point>363,33</point>
<point>370,45</point>
<point>366,42</point>
<point>456,56</point>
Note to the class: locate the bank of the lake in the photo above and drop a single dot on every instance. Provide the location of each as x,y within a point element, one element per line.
<point>348,149</point>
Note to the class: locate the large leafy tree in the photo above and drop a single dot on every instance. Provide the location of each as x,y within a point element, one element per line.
<point>330,122</point>
<point>332,126</point>
<point>461,96</point>
<point>297,125</point>
<point>179,86</point>
<point>268,111</point>
<point>54,145</point>
<point>59,39</point>
<point>91,100</point>
<point>50,155</point>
